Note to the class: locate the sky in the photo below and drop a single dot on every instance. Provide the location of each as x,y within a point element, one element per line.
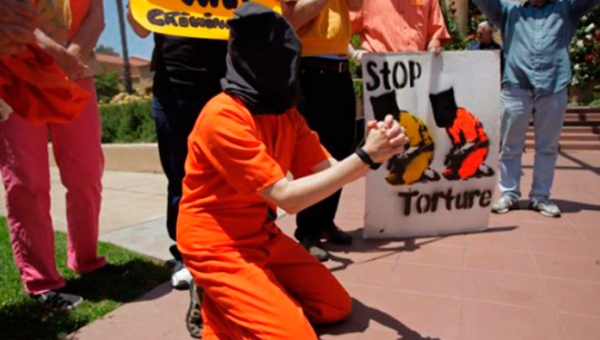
<point>111,37</point>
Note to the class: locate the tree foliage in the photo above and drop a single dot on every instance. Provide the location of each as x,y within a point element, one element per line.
<point>107,86</point>
<point>106,50</point>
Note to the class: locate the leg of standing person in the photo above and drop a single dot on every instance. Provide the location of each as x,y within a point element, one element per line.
<point>163,103</point>
<point>78,153</point>
<point>517,108</point>
<point>329,107</point>
<point>175,115</point>
<point>24,163</point>
<point>548,121</point>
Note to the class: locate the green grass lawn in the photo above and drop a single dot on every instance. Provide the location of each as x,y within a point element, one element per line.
<point>24,318</point>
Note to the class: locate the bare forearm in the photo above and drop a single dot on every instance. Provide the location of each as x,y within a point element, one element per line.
<point>86,38</point>
<point>47,44</point>
<point>384,140</point>
<point>294,196</point>
<point>301,12</point>
<point>138,29</point>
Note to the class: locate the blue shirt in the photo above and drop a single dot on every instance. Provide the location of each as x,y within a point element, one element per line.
<point>536,40</point>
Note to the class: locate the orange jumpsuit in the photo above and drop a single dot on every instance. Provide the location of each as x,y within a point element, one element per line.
<point>467,129</point>
<point>258,283</point>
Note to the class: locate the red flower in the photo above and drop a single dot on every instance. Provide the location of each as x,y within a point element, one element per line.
<point>597,35</point>
<point>588,57</point>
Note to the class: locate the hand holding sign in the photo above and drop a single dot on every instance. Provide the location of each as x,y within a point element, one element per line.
<point>190,18</point>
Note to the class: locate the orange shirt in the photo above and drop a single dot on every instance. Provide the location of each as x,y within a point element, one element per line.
<point>233,155</point>
<point>399,25</point>
<point>466,128</point>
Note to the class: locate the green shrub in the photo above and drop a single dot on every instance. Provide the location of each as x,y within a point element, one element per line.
<point>457,41</point>
<point>107,86</point>
<point>127,123</point>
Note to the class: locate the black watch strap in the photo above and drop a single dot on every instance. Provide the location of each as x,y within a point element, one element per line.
<point>364,156</point>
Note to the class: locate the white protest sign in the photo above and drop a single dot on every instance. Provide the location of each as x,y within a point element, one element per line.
<point>450,108</point>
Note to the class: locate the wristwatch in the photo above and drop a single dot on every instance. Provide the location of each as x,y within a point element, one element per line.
<point>364,156</point>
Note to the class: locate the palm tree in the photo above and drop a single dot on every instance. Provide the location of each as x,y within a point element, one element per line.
<point>126,66</point>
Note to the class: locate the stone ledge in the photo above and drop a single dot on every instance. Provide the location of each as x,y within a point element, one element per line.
<point>127,157</point>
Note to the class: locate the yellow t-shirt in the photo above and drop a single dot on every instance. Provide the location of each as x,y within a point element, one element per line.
<point>329,32</point>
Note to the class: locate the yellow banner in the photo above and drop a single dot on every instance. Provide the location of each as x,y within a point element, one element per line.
<point>190,18</point>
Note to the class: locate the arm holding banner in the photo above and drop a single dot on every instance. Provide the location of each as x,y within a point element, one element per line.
<point>437,34</point>
<point>87,36</point>
<point>355,53</point>
<point>301,12</point>
<point>493,10</point>
<point>138,29</point>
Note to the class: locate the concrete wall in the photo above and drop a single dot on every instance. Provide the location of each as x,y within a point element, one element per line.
<point>127,157</point>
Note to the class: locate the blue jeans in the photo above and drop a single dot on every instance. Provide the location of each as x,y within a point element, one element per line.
<point>548,111</point>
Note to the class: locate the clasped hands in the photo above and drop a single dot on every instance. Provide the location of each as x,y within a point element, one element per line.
<point>385,139</point>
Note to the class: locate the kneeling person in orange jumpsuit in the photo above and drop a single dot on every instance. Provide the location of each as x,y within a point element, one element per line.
<point>257,282</point>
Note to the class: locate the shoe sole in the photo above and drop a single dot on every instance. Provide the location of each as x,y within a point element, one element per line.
<point>188,316</point>
<point>513,206</point>
<point>504,211</point>
<point>547,214</point>
<point>544,213</point>
<point>181,285</point>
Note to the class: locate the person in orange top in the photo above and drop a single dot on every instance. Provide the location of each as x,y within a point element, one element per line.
<point>399,26</point>
<point>68,33</point>
<point>257,282</point>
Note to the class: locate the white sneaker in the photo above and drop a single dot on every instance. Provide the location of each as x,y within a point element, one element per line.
<point>181,279</point>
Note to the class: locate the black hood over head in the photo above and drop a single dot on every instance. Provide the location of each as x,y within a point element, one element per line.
<point>263,60</point>
<point>444,108</point>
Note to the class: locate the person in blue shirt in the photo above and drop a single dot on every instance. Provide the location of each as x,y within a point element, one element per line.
<point>536,36</point>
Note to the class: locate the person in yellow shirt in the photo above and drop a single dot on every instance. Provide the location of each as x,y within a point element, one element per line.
<point>327,102</point>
